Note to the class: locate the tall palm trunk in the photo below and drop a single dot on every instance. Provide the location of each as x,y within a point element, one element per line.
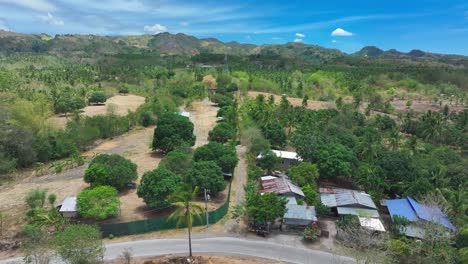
<point>189,225</point>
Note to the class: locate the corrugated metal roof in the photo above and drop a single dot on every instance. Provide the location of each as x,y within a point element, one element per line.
<point>413,211</point>
<point>430,213</point>
<point>334,197</point>
<point>283,154</point>
<point>280,185</point>
<point>358,211</point>
<point>291,200</point>
<point>68,204</point>
<point>371,223</point>
<point>299,214</point>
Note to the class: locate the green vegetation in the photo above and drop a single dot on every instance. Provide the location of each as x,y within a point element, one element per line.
<point>112,170</point>
<point>97,98</point>
<point>157,185</point>
<point>187,211</point>
<point>222,133</point>
<point>99,203</point>
<point>207,175</point>
<point>172,131</point>
<point>224,156</point>
<point>78,244</point>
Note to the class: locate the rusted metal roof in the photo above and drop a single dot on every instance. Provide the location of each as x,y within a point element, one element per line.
<point>280,185</point>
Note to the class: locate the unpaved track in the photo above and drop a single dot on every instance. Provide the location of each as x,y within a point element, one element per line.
<point>135,145</point>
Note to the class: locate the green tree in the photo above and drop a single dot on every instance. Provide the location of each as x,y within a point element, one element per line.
<point>112,170</point>
<point>156,186</point>
<point>187,211</point>
<point>69,103</point>
<point>304,173</point>
<point>224,156</point>
<point>222,133</point>
<point>265,208</point>
<point>97,98</point>
<point>207,175</point>
<point>335,160</point>
<point>177,161</point>
<point>275,133</point>
<point>99,203</point>
<point>172,131</point>
<point>268,161</point>
<point>311,195</point>
<point>80,244</point>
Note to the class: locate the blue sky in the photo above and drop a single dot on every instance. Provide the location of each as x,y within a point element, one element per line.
<point>436,26</point>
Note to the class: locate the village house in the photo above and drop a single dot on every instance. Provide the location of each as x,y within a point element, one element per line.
<point>417,214</point>
<point>67,208</point>
<point>351,202</point>
<point>288,158</point>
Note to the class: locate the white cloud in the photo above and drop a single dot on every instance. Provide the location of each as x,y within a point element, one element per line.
<point>339,32</point>
<point>184,23</point>
<point>4,25</point>
<point>155,29</point>
<point>297,40</point>
<point>51,20</point>
<point>334,41</point>
<point>300,35</point>
<point>38,5</point>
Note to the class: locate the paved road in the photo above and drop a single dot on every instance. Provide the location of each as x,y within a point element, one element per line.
<point>220,246</point>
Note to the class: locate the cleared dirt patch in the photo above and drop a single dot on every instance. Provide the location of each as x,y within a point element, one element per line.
<point>424,105</point>
<point>121,104</point>
<point>311,104</point>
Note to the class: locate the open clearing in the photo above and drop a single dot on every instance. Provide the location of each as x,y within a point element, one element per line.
<point>121,104</point>
<point>423,106</point>
<point>311,104</point>
<point>135,145</point>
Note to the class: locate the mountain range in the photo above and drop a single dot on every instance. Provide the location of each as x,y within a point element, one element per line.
<point>182,44</point>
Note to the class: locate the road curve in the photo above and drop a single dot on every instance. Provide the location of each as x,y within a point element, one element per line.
<point>220,246</point>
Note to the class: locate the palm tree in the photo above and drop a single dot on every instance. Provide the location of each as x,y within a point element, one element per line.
<point>186,210</point>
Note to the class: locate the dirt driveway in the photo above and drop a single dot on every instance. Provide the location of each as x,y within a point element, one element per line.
<point>135,145</point>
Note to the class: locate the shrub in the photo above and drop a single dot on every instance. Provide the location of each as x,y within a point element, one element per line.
<point>304,173</point>
<point>97,98</point>
<point>112,170</point>
<point>98,203</point>
<point>177,161</point>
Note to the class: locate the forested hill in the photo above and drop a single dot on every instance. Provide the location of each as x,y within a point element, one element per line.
<point>182,44</point>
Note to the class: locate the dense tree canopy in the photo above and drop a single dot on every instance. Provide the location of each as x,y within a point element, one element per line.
<point>112,170</point>
<point>97,98</point>
<point>222,133</point>
<point>156,186</point>
<point>172,131</point>
<point>207,175</point>
<point>305,173</point>
<point>224,156</point>
<point>177,161</point>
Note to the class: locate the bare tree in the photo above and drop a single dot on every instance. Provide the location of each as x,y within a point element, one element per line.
<point>126,256</point>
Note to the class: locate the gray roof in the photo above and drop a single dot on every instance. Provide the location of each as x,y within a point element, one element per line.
<point>357,211</point>
<point>280,185</point>
<point>68,204</point>
<point>334,197</point>
<point>291,199</point>
<point>299,214</point>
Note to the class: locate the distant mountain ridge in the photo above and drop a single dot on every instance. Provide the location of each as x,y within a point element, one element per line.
<point>182,44</point>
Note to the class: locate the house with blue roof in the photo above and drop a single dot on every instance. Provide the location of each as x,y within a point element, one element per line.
<point>416,213</point>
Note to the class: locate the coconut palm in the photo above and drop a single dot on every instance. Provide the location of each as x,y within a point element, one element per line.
<point>186,210</point>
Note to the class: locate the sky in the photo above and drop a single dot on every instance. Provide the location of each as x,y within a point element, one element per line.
<point>437,26</point>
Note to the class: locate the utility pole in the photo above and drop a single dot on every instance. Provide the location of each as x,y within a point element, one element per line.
<point>207,196</point>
